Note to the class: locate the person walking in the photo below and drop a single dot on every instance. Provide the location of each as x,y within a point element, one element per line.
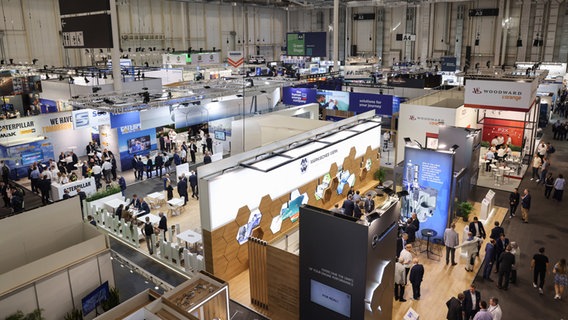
<point>506,263</point>
<point>516,251</point>
<point>536,163</point>
<point>514,198</point>
<point>416,276</point>
<point>560,278</point>
<point>548,185</point>
<point>539,265</point>
<point>451,240</point>
<point>559,184</point>
<point>525,205</point>
<point>544,167</point>
<point>148,231</point>
<point>471,248</point>
<point>489,260</point>
<point>182,189</point>
<point>399,280</point>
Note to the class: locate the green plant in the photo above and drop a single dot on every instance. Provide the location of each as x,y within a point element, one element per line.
<point>380,174</point>
<point>19,315</point>
<point>74,314</point>
<point>104,193</point>
<point>464,209</point>
<point>113,299</point>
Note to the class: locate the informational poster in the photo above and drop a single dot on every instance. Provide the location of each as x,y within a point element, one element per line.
<point>427,177</point>
<point>298,96</point>
<point>311,44</point>
<point>363,102</point>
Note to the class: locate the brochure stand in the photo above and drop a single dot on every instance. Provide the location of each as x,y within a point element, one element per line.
<point>487,205</point>
<point>411,315</point>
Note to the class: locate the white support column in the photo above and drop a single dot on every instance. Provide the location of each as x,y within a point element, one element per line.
<point>550,31</point>
<point>335,54</point>
<point>115,51</point>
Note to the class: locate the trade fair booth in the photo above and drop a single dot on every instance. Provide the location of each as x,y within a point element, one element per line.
<point>348,150</point>
<point>507,113</point>
<point>41,269</point>
<point>420,119</point>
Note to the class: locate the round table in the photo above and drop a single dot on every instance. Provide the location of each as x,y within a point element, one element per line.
<point>428,233</point>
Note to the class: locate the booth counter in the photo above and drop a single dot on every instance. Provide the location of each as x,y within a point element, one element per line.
<point>87,185</point>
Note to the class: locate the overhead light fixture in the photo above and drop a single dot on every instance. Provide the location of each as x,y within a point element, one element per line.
<point>454,147</point>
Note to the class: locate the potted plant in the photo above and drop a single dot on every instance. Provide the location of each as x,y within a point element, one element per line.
<point>464,209</point>
<point>112,301</point>
<point>380,175</point>
<point>74,314</point>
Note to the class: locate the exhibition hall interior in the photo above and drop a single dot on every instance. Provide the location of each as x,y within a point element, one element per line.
<point>283,159</point>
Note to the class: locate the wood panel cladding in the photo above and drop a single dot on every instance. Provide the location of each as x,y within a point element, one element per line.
<point>283,270</point>
<point>257,272</point>
<point>225,258</point>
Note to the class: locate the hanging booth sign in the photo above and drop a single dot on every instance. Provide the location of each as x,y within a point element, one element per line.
<point>235,58</point>
<point>205,58</point>
<point>500,95</point>
<point>176,59</point>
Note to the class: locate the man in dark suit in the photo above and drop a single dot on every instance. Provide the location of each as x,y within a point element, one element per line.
<point>144,208</point>
<point>506,262</point>
<point>134,163</point>
<point>496,231</point>
<point>159,164</point>
<point>455,307</point>
<point>135,202</point>
<point>401,243</point>
<point>193,185</point>
<point>476,228</point>
<point>182,189</point>
<point>410,230</point>
<point>415,221</point>
<point>471,301</point>
<point>207,158</point>
<point>500,245</point>
<point>514,199</point>
<point>348,206</point>
<point>163,224</point>
<point>192,150</point>
<point>369,204</point>
<point>489,259</point>
<point>415,277</point>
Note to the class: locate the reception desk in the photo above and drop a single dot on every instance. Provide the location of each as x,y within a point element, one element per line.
<point>87,185</point>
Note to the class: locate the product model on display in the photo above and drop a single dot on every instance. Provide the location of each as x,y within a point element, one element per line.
<point>322,186</point>
<point>245,231</point>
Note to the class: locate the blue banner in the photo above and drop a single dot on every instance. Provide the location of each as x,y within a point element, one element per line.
<point>449,63</point>
<point>363,102</point>
<point>427,177</point>
<point>125,122</point>
<point>298,96</point>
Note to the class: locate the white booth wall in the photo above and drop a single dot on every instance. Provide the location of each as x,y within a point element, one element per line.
<point>51,260</point>
<point>253,132</point>
<point>417,120</point>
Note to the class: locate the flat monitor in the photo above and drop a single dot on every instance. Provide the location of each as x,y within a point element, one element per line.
<point>330,298</point>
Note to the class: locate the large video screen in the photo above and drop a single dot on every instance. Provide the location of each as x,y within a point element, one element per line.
<point>331,298</point>
<point>333,100</point>
<point>93,299</point>
<point>312,44</point>
<point>139,144</point>
<point>30,157</point>
<point>428,180</point>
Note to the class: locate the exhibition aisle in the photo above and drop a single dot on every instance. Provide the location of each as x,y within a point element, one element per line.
<point>546,228</point>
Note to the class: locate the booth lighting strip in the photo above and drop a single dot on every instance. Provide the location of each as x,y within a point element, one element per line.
<point>125,263</point>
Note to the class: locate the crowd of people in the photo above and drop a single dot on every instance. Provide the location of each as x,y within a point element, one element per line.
<point>541,172</point>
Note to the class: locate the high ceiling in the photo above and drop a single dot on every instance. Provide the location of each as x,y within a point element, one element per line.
<point>319,3</point>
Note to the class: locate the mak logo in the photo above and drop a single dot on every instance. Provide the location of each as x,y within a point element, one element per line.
<point>304,165</point>
<point>476,91</point>
<point>412,117</point>
<point>81,119</point>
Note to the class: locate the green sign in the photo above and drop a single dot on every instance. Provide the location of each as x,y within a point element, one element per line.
<point>295,42</point>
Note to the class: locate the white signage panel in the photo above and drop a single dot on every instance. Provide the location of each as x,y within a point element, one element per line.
<point>501,95</point>
<point>205,58</point>
<point>87,118</point>
<point>174,59</point>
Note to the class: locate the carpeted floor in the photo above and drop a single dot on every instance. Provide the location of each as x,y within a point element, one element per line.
<point>547,227</point>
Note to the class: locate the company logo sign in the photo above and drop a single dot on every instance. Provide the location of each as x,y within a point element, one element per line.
<point>476,91</point>
<point>81,119</point>
<point>500,95</point>
<point>304,165</point>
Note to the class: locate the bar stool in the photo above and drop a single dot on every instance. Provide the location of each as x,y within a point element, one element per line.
<point>498,176</point>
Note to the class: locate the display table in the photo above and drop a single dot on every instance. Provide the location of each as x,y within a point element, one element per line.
<point>113,204</point>
<point>153,218</point>
<point>190,237</point>
<point>87,185</point>
<point>428,233</point>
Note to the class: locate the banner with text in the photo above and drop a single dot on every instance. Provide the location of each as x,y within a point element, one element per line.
<point>500,95</point>
<point>363,102</point>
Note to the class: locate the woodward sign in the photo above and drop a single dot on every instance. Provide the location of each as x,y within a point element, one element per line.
<point>500,95</point>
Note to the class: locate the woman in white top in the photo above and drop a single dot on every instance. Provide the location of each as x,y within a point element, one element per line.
<point>63,179</point>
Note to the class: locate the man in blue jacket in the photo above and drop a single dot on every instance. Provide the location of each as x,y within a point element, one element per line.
<point>415,277</point>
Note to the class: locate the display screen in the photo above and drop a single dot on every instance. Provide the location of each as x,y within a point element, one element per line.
<point>333,100</point>
<point>139,144</point>
<point>293,207</point>
<point>30,157</point>
<point>93,299</point>
<point>330,298</point>
<point>220,135</point>
<point>245,231</point>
